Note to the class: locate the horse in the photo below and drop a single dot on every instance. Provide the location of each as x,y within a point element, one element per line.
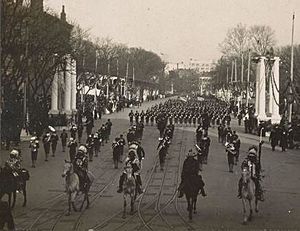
<point>129,190</point>
<point>248,194</point>
<point>72,187</point>
<point>9,185</point>
<point>191,190</point>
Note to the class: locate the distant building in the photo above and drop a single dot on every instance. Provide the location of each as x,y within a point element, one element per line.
<point>193,64</point>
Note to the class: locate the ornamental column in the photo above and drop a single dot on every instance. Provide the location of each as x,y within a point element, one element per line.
<point>54,93</point>
<point>68,82</point>
<point>260,106</point>
<point>73,86</point>
<point>275,107</point>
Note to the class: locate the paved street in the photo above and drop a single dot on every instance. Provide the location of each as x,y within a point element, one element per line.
<point>158,208</point>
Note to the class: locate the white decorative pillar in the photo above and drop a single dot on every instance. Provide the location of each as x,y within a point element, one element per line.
<point>260,106</point>
<point>73,86</point>
<point>68,87</point>
<point>275,108</point>
<point>54,94</point>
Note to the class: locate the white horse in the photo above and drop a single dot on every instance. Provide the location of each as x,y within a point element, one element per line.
<point>72,186</point>
<point>248,194</point>
<point>130,190</point>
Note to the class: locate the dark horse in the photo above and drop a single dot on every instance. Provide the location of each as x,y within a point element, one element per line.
<point>191,189</point>
<point>9,184</point>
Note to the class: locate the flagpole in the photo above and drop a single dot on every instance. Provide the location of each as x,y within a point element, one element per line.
<point>96,65</point>
<point>248,79</point>
<point>292,68</point>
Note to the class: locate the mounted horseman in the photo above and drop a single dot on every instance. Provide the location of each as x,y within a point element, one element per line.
<point>133,162</point>
<point>252,163</point>
<point>81,167</point>
<point>190,172</point>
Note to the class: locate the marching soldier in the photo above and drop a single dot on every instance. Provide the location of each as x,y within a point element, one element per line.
<point>64,137</point>
<point>47,142</point>
<point>54,140</point>
<point>72,145</point>
<point>34,146</point>
<point>131,117</point>
<point>231,153</point>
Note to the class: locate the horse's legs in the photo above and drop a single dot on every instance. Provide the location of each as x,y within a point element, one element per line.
<point>87,200</point>
<point>84,198</point>
<point>14,193</point>
<point>245,219</point>
<point>73,196</point>
<point>190,206</point>
<point>250,214</point>
<point>69,204</point>
<point>194,203</point>
<point>132,204</point>
<point>256,205</point>
<point>24,193</point>
<point>124,207</point>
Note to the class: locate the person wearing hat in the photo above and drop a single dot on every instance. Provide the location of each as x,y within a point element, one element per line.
<point>47,142</point>
<point>73,131</point>
<point>97,144</point>
<point>14,162</point>
<point>72,145</point>
<point>64,137</point>
<point>90,146</point>
<point>116,151</point>
<point>190,170</point>
<point>131,115</point>
<point>133,162</point>
<point>251,162</point>
<point>231,153</point>
<point>34,146</point>
<point>81,166</point>
<point>54,140</point>
<point>122,143</point>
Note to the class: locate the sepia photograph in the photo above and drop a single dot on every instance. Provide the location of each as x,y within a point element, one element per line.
<point>141,115</point>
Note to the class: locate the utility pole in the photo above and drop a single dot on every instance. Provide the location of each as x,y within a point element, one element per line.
<point>292,69</point>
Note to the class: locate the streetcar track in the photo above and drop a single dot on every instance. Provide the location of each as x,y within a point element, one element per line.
<point>159,213</point>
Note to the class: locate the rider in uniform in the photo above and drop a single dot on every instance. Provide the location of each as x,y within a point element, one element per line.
<point>190,168</point>
<point>132,161</point>
<point>14,162</point>
<point>252,163</point>
<point>81,166</point>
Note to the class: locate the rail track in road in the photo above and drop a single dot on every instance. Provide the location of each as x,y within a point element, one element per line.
<point>156,198</point>
<point>52,211</point>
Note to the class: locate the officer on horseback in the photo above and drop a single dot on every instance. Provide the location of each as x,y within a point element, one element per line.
<point>190,169</point>
<point>14,162</point>
<point>132,161</point>
<point>252,163</point>
<point>81,166</point>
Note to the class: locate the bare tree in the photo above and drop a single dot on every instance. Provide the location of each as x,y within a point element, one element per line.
<point>262,39</point>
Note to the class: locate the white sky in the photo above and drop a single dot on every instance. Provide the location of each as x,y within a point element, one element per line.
<point>180,29</point>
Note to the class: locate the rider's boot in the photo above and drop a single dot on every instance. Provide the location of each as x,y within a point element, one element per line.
<point>203,192</point>
<point>180,190</point>
<point>139,184</point>
<point>240,189</point>
<point>121,183</point>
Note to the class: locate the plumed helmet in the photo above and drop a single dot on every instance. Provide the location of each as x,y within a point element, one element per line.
<point>33,138</point>
<point>14,153</point>
<point>82,149</point>
<point>252,150</point>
